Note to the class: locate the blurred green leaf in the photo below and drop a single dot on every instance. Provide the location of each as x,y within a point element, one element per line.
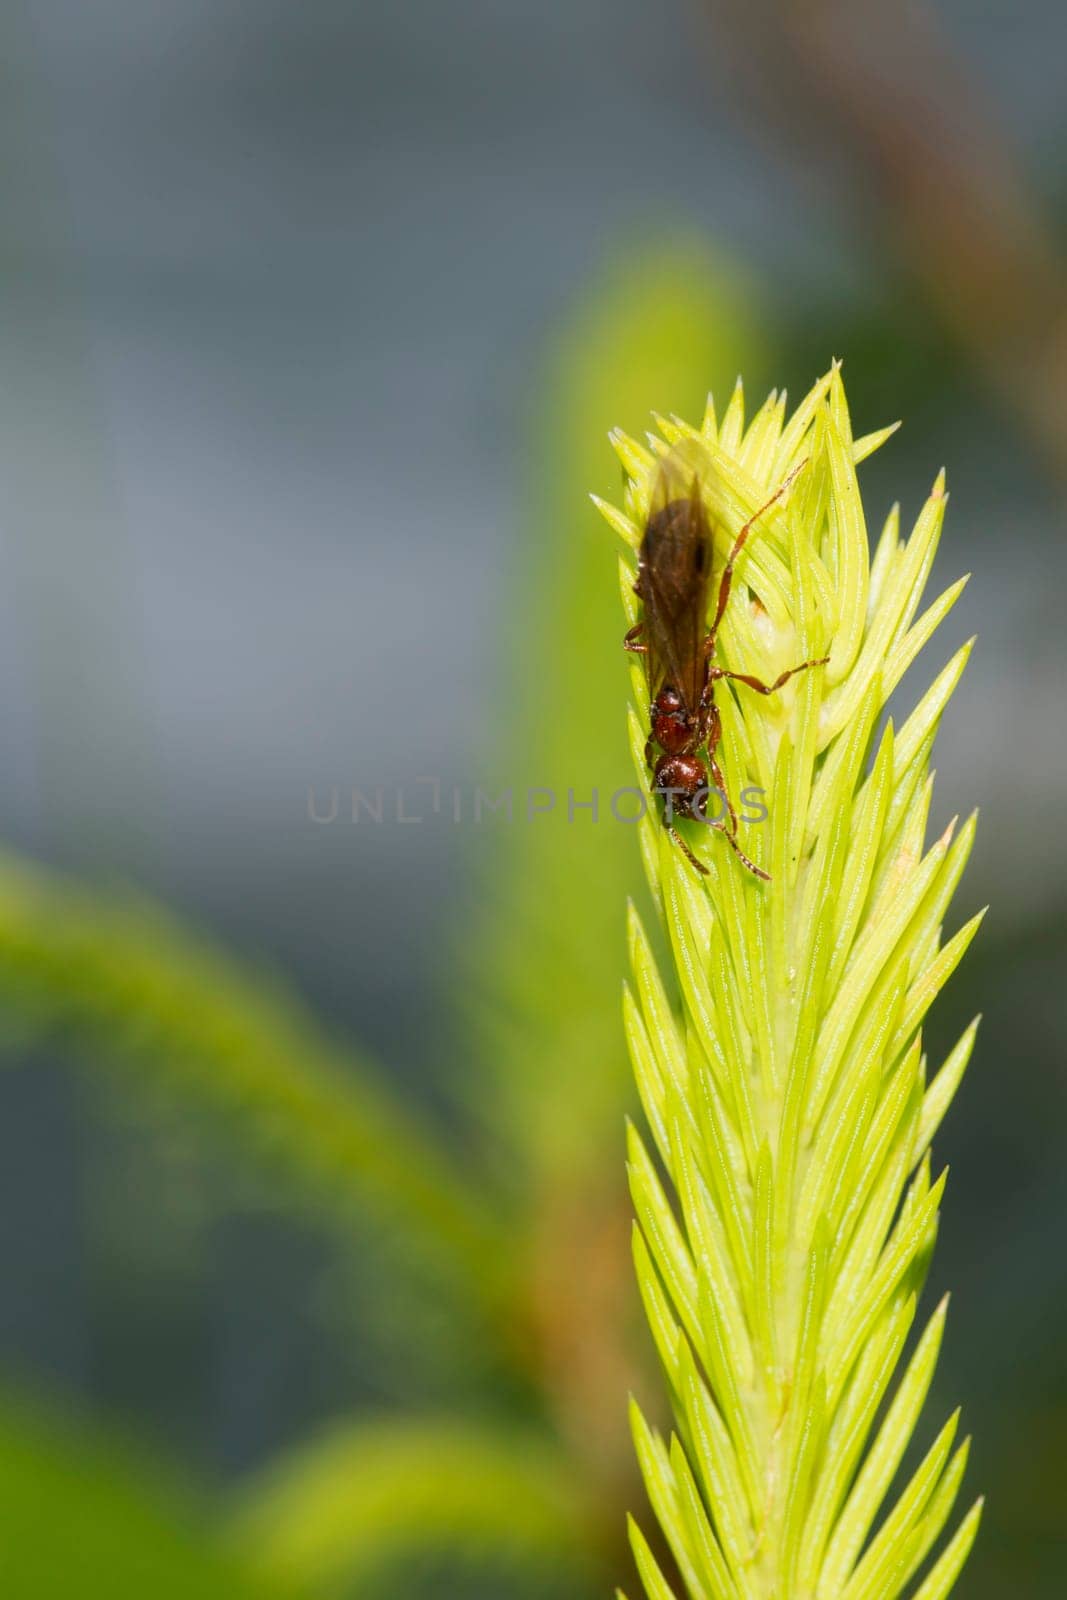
<point>127,980</point>
<point>340,1510</point>
<point>657,329</point>
<point>83,1515</point>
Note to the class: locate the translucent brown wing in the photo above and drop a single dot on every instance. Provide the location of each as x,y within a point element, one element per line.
<point>673,575</point>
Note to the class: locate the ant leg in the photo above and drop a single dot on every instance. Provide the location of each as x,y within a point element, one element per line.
<point>684,848</point>
<point>720,789</point>
<point>630,643</point>
<point>757,872</point>
<point>731,840</point>
<point>712,732</point>
<point>727,578</point>
<point>757,683</point>
<point>720,827</point>
<point>713,738</point>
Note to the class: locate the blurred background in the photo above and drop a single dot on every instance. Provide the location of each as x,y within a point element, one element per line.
<point>314,319</point>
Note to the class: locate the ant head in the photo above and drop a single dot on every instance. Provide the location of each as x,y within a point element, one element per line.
<point>684,776</point>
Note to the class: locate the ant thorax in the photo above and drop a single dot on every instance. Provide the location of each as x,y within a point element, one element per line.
<point>673,729</point>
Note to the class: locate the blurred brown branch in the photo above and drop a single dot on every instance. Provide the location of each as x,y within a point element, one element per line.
<point>879,94</point>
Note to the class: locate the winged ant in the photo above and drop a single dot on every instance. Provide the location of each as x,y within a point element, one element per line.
<point>674,577</point>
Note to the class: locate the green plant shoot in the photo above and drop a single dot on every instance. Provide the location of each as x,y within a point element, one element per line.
<point>786,1206</point>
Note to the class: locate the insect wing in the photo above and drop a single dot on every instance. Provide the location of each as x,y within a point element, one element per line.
<point>673,578</point>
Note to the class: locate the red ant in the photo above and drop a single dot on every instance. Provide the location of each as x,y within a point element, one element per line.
<point>674,572</point>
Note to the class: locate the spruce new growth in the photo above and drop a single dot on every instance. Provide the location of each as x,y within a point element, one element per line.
<point>785,1197</point>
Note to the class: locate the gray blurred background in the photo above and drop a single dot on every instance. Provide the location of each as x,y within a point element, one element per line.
<point>276,283</point>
